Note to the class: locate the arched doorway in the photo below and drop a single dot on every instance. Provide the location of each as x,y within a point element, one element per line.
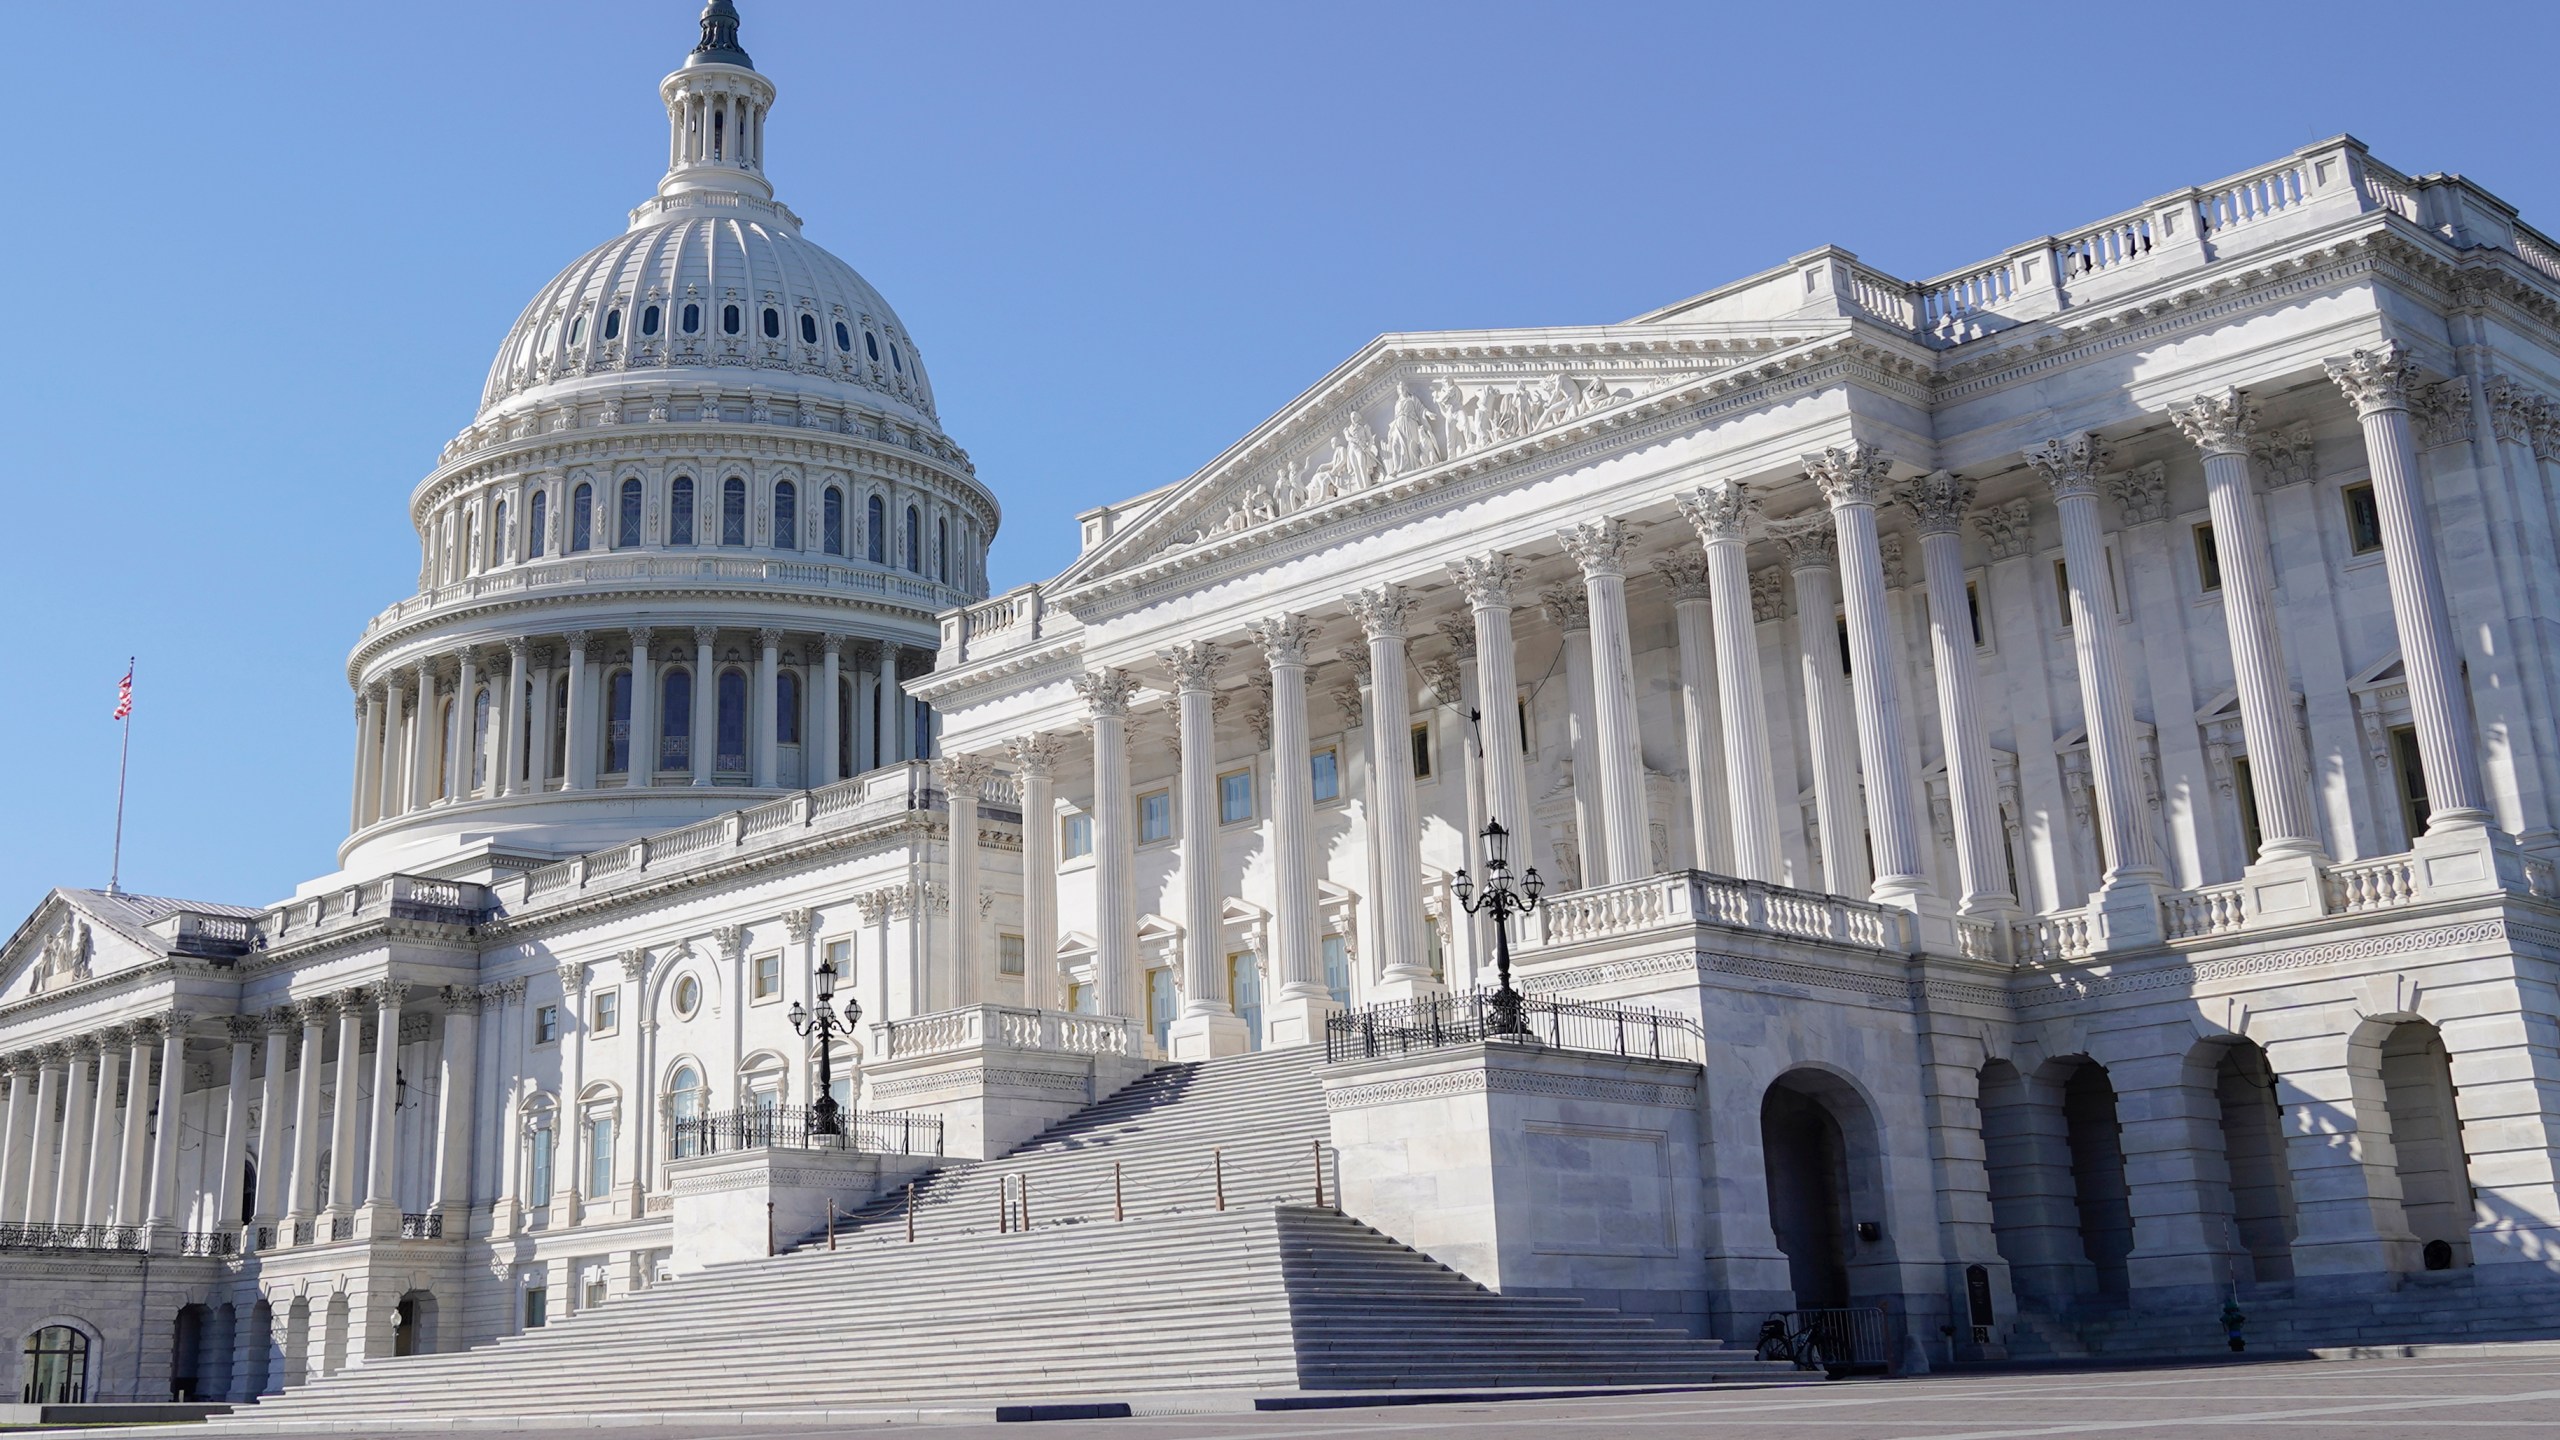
<point>55,1363</point>
<point>1825,1186</point>
<point>414,1326</point>
<point>2426,1141</point>
<point>2262,1212</point>
<point>2101,1197</point>
<point>186,1353</point>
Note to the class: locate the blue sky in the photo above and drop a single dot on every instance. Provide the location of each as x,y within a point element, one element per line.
<point>261,256</point>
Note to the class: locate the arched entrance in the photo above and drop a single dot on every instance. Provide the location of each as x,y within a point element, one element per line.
<point>2099,1192</point>
<point>2426,1141</point>
<point>1825,1186</point>
<point>186,1353</point>
<point>2262,1213</point>
<point>2059,1202</point>
<point>414,1328</point>
<point>55,1363</point>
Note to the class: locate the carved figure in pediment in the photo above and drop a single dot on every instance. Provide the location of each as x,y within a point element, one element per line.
<point>1556,401</point>
<point>1595,395</point>
<point>1360,445</point>
<point>1412,440</point>
<point>1457,416</point>
<point>65,958</point>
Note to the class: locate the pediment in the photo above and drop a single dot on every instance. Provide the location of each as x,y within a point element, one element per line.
<point>1411,410</point>
<point>64,943</point>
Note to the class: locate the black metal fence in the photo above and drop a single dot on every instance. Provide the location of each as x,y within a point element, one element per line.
<point>1472,1017</point>
<point>1846,1341</point>
<point>422,1226</point>
<point>70,1237</point>
<point>794,1127</point>
<point>209,1242</point>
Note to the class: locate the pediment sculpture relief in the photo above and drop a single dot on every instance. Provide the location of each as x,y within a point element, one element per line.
<point>66,954</point>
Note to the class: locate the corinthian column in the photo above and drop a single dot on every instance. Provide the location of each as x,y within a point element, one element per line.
<point>1383,614</point>
<point>1722,515</point>
<point>464,745</point>
<point>510,714</point>
<point>1938,502</point>
<point>1297,1016</point>
<point>164,1149</point>
<point>2128,903</point>
<point>1702,731</point>
<point>304,1201</point>
<point>1600,548</point>
<point>1106,694</point>
<point>1856,480</point>
<point>272,1109</point>
<point>233,1174</point>
<point>17,1141</point>
<point>1811,545</point>
<point>422,755</point>
<point>346,1180</point>
<point>580,771</point>
<point>1208,1026</point>
<point>2377,382</point>
<point>1035,765</point>
<point>963,780</point>
<point>382,1151</point>
<point>389,770</point>
<point>828,711</point>
<point>79,1095</point>
<point>368,755</point>
<point>106,1131</point>
<point>767,711</point>
<point>643,769</point>
<point>1490,583</point>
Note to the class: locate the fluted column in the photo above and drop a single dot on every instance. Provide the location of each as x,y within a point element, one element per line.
<point>272,1109</point>
<point>457,1077</point>
<point>308,1142</point>
<point>2377,382</point>
<point>963,780</point>
<point>1297,1015</point>
<point>465,743</point>
<point>1405,961</point>
<point>390,770</point>
<point>1811,543</point>
<point>1855,480</point>
<point>346,1175</point>
<point>106,1129</point>
<point>1938,502</point>
<point>578,771</point>
<point>234,1169</point>
<point>422,751</point>
<point>2129,911</point>
<point>1702,727</point>
<point>1106,694</point>
<point>893,703</point>
<point>830,711</point>
<point>382,1153</point>
<point>1035,764</point>
<point>509,713</point>
<point>1569,610</point>
<point>1600,548</point>
<point>1490,583</point>
<point>768,706</point>
<point>35,1180</point>
<point>132,1166</point>
<point>706,704</point>
<point>644,710</point>
<point>17,1141</point>
<point>164,1139</point>
<point>1208,1026</point>
<point>1722,515</point>
<point>368,801</point>
<point>79,1100</point>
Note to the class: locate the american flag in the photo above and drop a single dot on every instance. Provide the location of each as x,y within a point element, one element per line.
<point>124,695</point>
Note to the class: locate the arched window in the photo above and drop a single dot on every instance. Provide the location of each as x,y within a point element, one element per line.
<point>480,717</point>
<point>719,131</point>
<point>730,320</point>
<point>680,511</point>
<point>808,328</point>
<point>732,751</point>
<point>831,521</point>
<point>942,548</point>
<point>55,1367</point>
<point>871,343</point>
<point>538,533</point>
<point>578,329</point>
<point>627,531</point>
<point>675,721</point>
<point>772,323</point>
<point>498,534</point>
<point>613,324</point>
<point>687,1100</point>
<point>875,531</point>
<point>445,711</point>
<point>649,321</point>
<point>786,708</point>
<point>617,723</point>
<point>844,337</point>
<point>559,728</point>
<point>539,1113</point>
<point>692,318</point>
<point>733,511</point>
<point>895,363</point>
<point>786,516</point>
<point>915,540</point>
<point>582,518</point>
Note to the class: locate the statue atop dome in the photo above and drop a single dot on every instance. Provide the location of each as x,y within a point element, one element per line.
<point>719,38</point>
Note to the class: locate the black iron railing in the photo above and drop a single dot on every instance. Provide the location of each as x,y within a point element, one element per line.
<point>793,1127</point>
<point>342,1227</point>
<point>209,1242</point>
<point>266,1238</point>
<point>302,1231</point>
<point>1471,1017</point>
<point>1845,1341</point>
<point>70,1237</point>
<point>429,1226</point>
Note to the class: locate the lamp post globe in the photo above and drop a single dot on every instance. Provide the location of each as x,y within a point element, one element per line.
<point>1502,899</point>
<point>826,1117</point>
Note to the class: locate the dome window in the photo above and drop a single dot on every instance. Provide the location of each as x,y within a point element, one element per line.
<point>831,520</point>
<point>649,321</point>
<point>730,321</point>
<point>844,338</point>
<point>772,323</point>
<point>692,319</point>
<point>871,343</point>
<point>582,518</point>
<point>786,516</point>
<point>733,511</point>
<point>875,531</point>
<point>680,511</point>
<point>613,324</point>
<point>808,329</point>
<point>915,541</point>
<point>894,362</point>
<point>538,533</point>
<point>627,533</point>
<point>578,330</point>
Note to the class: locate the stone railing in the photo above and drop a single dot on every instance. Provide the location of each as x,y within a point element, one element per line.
<point>583,573</point>
<point>1694,897</point>
<point>1006,1027</point>
<point>209,936</point>
<point>1980,939</point>
<point>2196,914</point>
<point>2361,887</point>
<point>2065,935</point>
<point>392,897</point>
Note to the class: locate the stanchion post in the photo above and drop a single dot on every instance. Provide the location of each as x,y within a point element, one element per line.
<point>1218,1169</point>
<point>1119,1210</point>
<point>831,1224</point>
<point>911,1212</point>
<point>1315,1147</point>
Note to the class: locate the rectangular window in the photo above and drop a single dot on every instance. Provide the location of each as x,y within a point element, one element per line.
<point>1155,816</point>
<point>1075,837</point>
<point>592,1288</point>
<point>1422,750</point>
<point>840,955</point>
<point>2208,559</point>
<point>1160,1006</point>
<point>1523,706</point>
<point>2364,520</point>
<point>2062,592</point>
<point>2412,778</point>
<point>1337,969</point>
<point>1432,948</point>
<point>1235,797</point>
<point>2250,839</point>
<point>537,1306</point>
<point>537,1182</point>
<point>1326,765</point>
<point>1973,610</point>
<point>604,1013</point>
<point>765,978</point>
<point>1009,954</point>
<point>1080,999</point>
<point>599,1157</point>
<point>546,1024</point>
<point>1244,985</point>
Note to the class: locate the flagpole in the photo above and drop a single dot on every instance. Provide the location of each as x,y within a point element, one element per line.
<point>124,753</point>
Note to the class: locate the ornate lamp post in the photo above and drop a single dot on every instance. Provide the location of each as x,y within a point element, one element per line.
<point>826,1117</point>
<point>1503,900</point>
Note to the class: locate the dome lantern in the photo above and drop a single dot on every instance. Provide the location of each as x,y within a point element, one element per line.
<point>716,106</point>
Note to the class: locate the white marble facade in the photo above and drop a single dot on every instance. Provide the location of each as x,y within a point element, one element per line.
<point>2081,734</point>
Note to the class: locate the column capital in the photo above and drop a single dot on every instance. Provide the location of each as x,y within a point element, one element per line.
<point>53,1054</point>
<point>114,1037</point>
<point>1720,512</point>
<point>1284,638</point>
<point>634,962</point>
<point>729,941</point>
<point>1854,474</point>
<point>1685,572</point>
<point>1441,678</point>
<point>2374,380</point>
<point>640,635</point>
<point>769,638</point>
<point>387,994</point>
<point>865,654</point>
<point>1460,632</point>
<point>1488,581</point>
<point>463,999</point>
<point>1809,541</point>
<point>1035,754</point>
<point>83,1047</point>
<point>1768,595</point>
<point>706,635</point>
<point>1195,663</point>
<point>577,640</point>
<point>2218,423</point>
<point>1567,606</point>
<point>1383,612</point>
<point>1107,691</point>
<point>2069,463</point>
<point>1938,502</point>
<point>963,775</point>
<point>245,1029</point>
<point>573,977</point>
<point>2008,529</point>
<point>800,922</point>
<point>1598,546</point>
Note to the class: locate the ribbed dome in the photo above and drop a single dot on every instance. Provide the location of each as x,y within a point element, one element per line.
<point>757,295</point>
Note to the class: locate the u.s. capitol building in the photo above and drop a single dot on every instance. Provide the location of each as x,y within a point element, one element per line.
<point>2059,762</point>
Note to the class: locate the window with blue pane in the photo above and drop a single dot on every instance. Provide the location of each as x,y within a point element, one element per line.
<point>915,540</point>
<point>1337,969</point>
<point>942,548</point>
<point>480,717</point>
<point>538,534</point>
<point>675,721</point>
<point>1160,1006</point>
<point>1325,770</point>
<point>875,531</point>
<point>786,708</point>
<point>1075,837</point>
<point>831,522</point>
<point>1235,797</point>
<point>627,531</point>
<point>1244,987</point>
<point>732,751</point>
<point>680,511</point>
<point>649,321</point>
<point>733,511</point>
<point>617,723</point>
<point>786,516</point>
<point>582,518</point>
<point>1155,816</point>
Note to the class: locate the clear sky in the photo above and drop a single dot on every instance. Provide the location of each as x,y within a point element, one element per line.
<point>260,256</point>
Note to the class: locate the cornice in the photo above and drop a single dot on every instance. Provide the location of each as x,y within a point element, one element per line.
<point>1053,662</point>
